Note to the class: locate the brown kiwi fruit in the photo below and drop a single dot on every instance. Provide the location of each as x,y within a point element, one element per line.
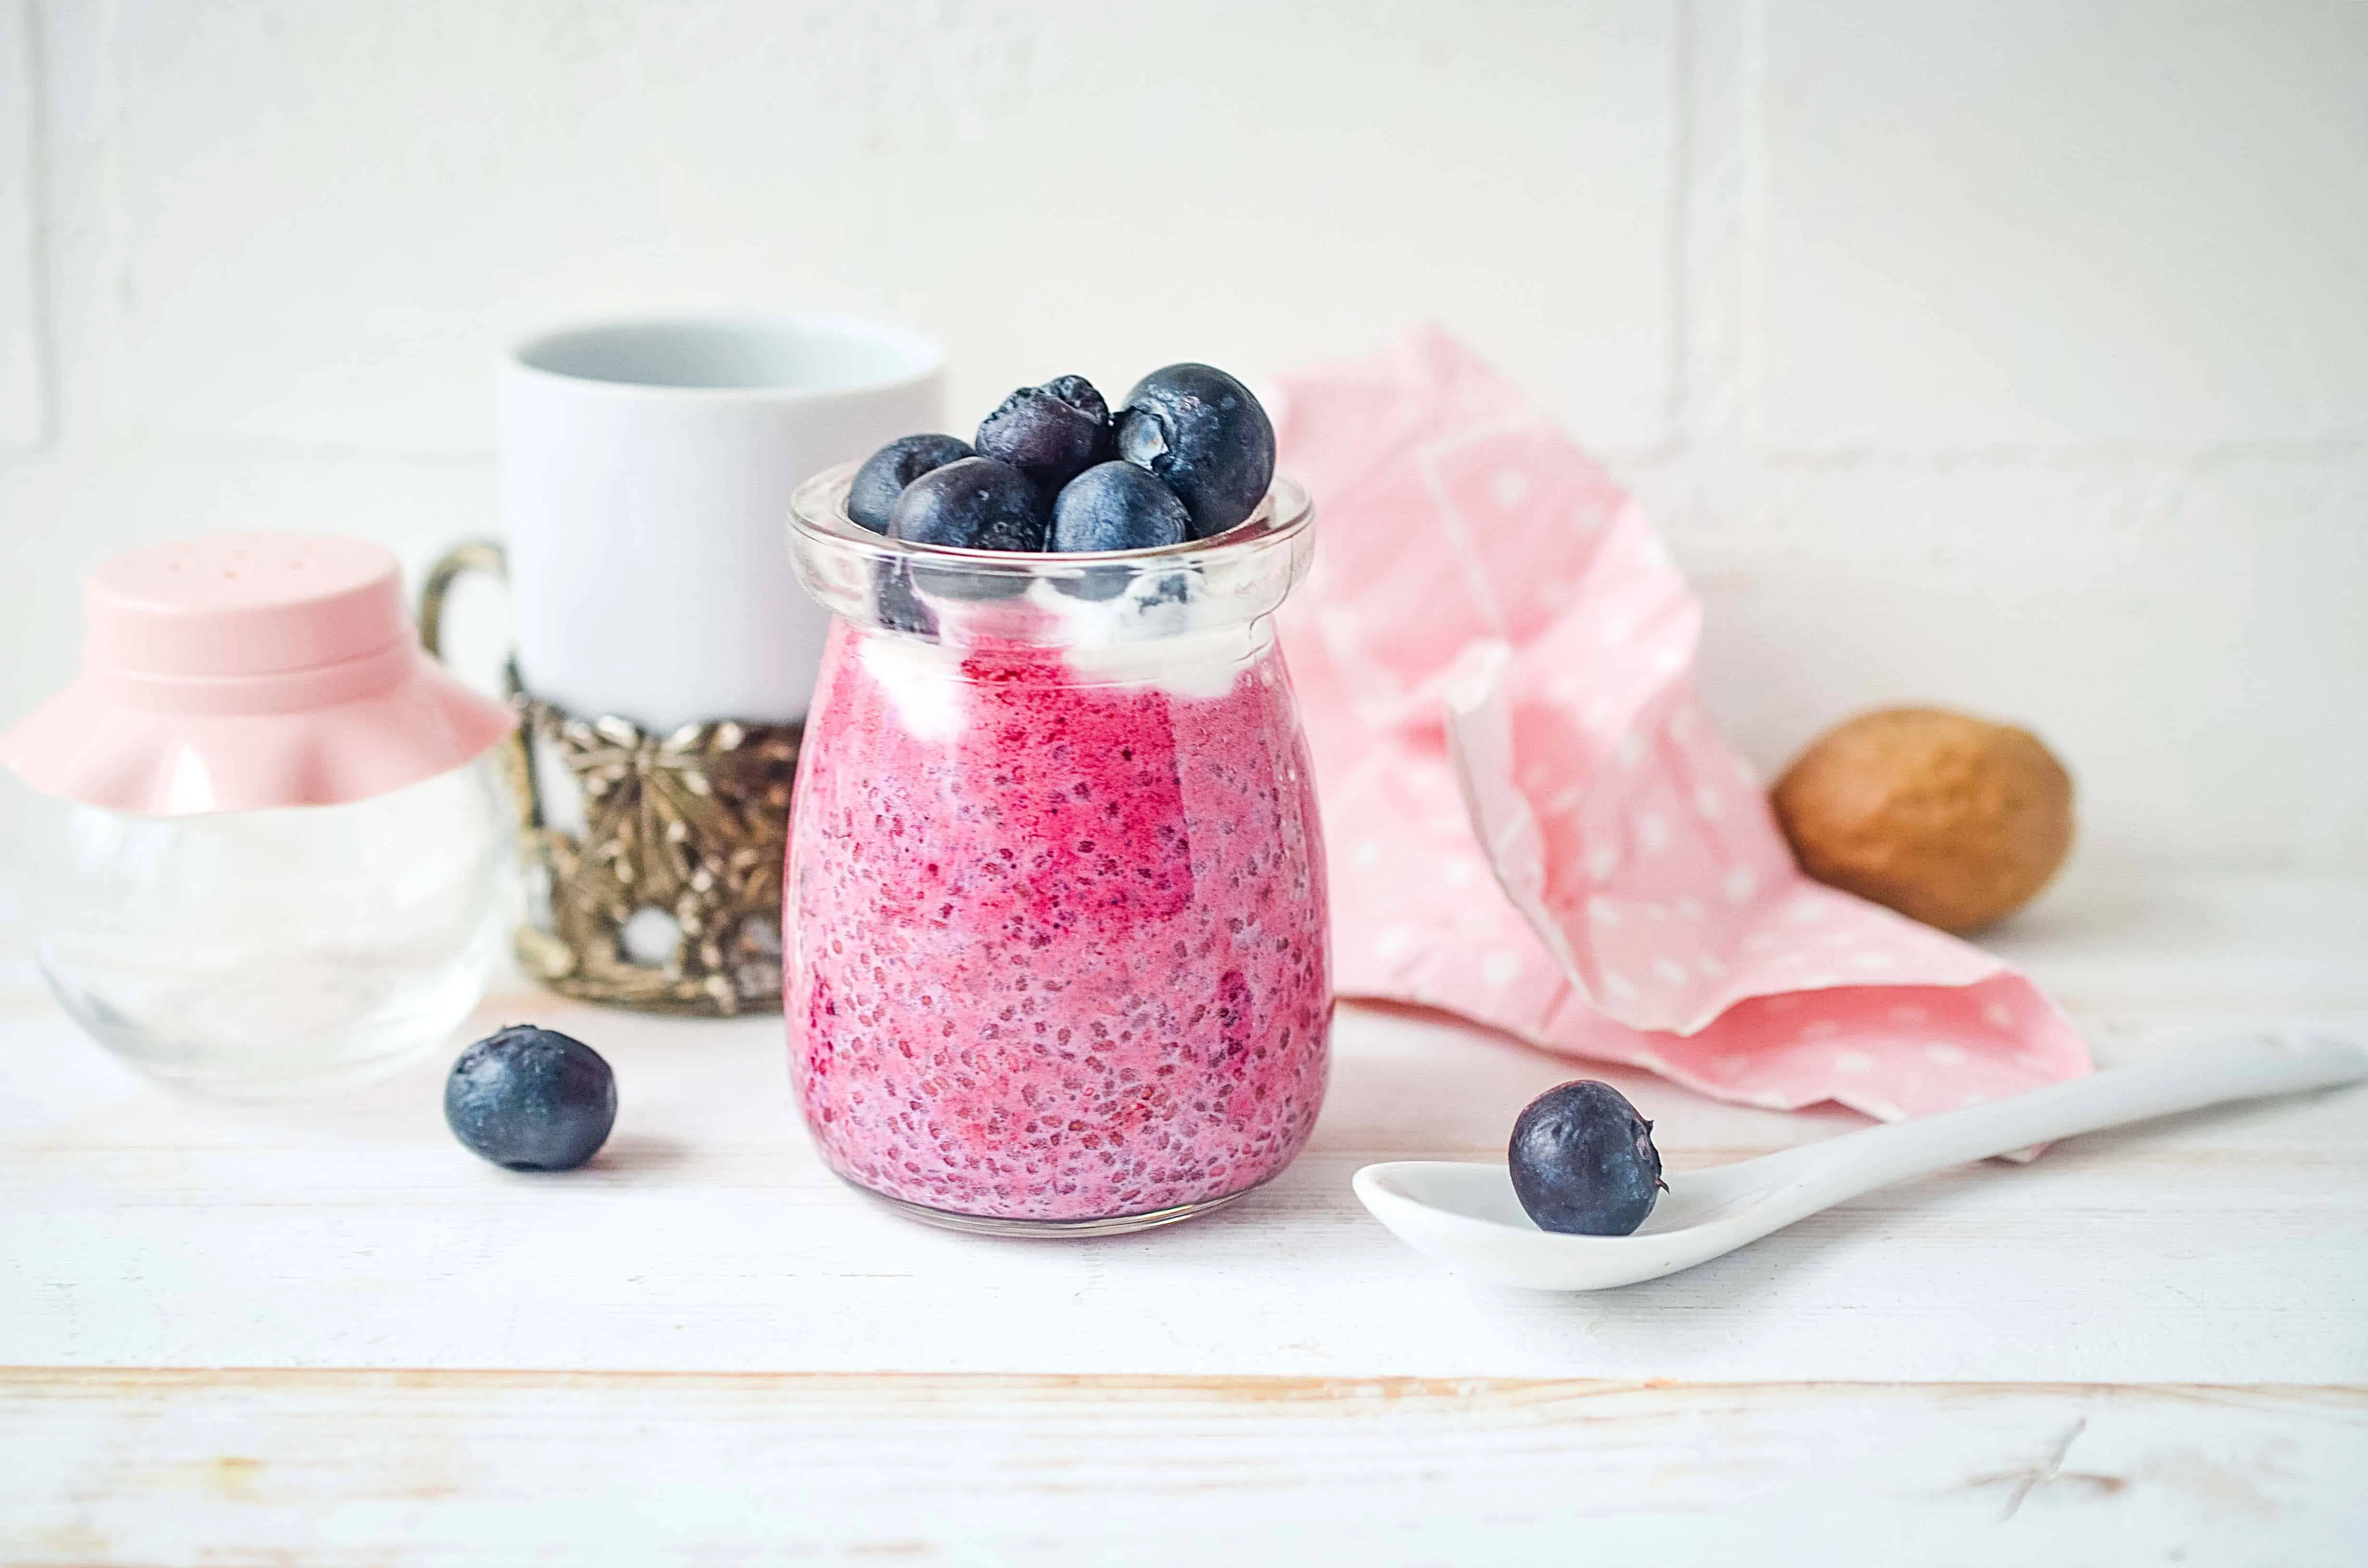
<point>1948,819</point>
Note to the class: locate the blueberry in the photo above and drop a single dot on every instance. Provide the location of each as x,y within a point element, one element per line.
<point>1176,589</point>
<point>1114,506</point>
<point>1080,394</point>
<point>531,1099</point>
<point>1117,506</point>
<point>1050,433</point>
<point>1201,432</point>
<point>885,473</point>
<point>973,503</point>
<point>901,609</point>
<point>1584,1161</point>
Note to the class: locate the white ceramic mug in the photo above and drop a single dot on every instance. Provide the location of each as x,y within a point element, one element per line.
<point>646,468</point>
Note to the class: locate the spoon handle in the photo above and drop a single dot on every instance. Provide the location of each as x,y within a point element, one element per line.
<point>2232,1070</point>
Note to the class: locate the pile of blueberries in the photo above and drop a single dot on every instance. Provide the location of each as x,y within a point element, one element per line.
<point>1186,456</point>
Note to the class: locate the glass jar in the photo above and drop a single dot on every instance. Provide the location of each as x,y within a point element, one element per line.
<point>256,954</point>
<point>266,850</point>
<point>1056,953</point>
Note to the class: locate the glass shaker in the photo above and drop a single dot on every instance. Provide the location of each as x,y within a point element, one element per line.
<point>267,853</point>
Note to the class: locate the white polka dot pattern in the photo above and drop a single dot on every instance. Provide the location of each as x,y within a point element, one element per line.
<point>1604,879</point>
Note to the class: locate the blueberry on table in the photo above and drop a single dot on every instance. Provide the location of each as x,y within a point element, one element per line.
<point>1050,433</point>
<point>973,503</point>
<point>531,1099</point>
<point>1584,1163</point>
<point>1201,433</point>
<point>885,473</point>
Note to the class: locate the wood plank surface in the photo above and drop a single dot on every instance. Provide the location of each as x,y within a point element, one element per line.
<point>333,1468</point>
<point>2222,1247</point>
<point>322,1333</point>
<point>143,1229</point>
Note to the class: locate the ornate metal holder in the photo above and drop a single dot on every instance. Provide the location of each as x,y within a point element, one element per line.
<point>668,898</point>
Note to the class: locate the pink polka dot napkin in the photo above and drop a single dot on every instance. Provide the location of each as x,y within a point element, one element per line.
<point>1531,821</point>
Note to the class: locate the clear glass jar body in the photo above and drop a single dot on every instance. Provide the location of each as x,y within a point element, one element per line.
<point>1056,952</point>
<point>274,953</point>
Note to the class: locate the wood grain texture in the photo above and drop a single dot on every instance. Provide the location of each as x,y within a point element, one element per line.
<point>433,1467</point>
<point>143,1229</point>
<point>731,1355</point>
<point>2218,1247</point>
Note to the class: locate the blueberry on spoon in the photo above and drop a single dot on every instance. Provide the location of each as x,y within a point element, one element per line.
<point>1050,433</point>
<point>886,473</point>
<point>1583,1160</point>
<point>1200,432</point>
<point>531,1099</point>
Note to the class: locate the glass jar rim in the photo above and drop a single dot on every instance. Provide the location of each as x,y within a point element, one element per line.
<point>819,517</point>
<point>1070,600</point>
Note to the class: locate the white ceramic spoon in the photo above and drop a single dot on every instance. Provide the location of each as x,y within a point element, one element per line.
<point>1466,1215</point>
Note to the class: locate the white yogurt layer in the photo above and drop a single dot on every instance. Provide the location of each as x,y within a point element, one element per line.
<point>1194,643</point>
<point>1194,663</point>
<point>1193,647</point>
<point>924,683</point>
<point>1184,647</point>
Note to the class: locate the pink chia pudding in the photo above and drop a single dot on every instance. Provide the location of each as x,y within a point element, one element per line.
<point>1056,938</point>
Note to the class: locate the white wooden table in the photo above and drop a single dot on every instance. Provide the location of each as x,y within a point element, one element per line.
<point>325,1335</point>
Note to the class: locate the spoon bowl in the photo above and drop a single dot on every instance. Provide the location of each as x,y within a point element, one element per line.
<point>1466,1216</point>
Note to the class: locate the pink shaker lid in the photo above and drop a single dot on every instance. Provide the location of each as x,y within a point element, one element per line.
<point>242,672</point>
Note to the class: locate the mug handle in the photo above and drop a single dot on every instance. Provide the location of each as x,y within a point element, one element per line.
<point>475,555</point>
<point>484,555</point>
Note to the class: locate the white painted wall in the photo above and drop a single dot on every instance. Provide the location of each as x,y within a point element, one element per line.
<point>2008,355</point>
